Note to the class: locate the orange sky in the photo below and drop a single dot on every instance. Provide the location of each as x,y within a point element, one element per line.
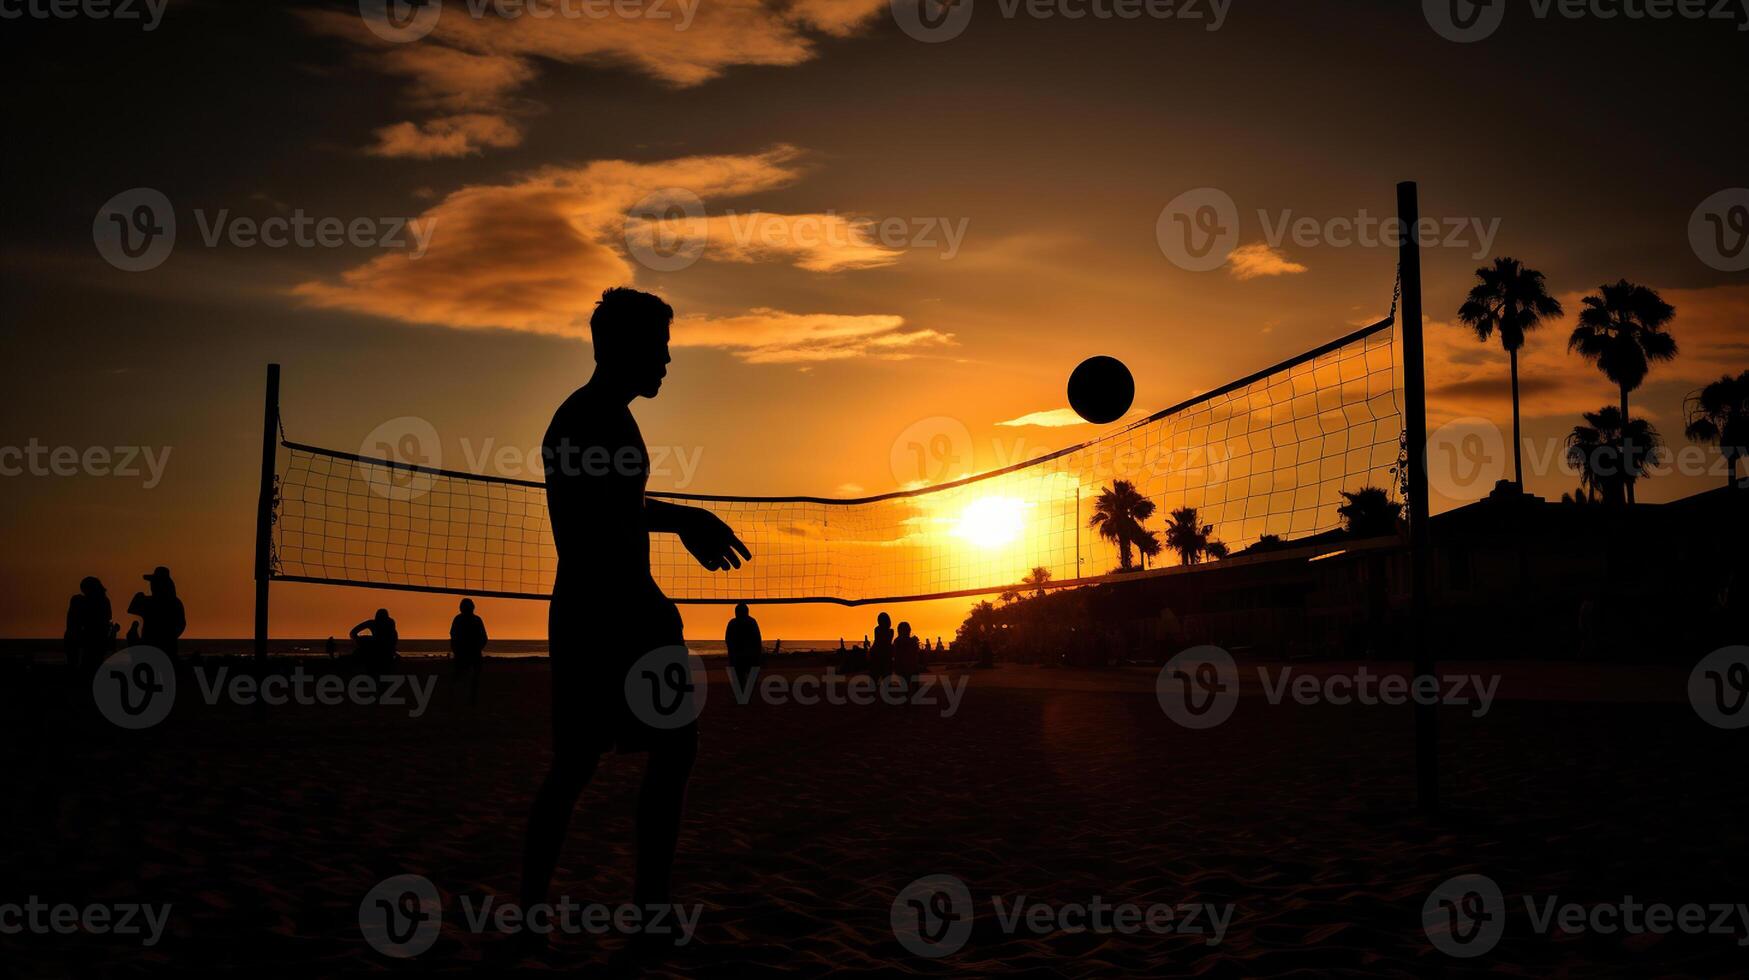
<point>895,232</point>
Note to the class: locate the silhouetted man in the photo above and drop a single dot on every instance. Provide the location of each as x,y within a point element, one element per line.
<point>467,644</point>
<point>746,646</point>
<point>162,619</point>
<point>880,656</point>
<point>607,610</point>
<point>88,626</point>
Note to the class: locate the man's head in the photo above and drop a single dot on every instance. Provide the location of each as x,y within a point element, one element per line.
<point>467,605</point>
<point>740,610</point>
<point>630,332</point>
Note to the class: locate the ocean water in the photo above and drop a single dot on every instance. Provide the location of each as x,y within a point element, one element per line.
<point>50,649</point>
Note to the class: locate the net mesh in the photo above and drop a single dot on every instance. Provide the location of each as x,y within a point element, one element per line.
<point>1266,454</point>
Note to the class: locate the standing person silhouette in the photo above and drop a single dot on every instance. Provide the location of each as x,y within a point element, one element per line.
<point>88,633</point>
<point>467,644</point>
<point>746,646</point>
<point>880,656</point>
<point>162,618</point>
<point>607,610</point>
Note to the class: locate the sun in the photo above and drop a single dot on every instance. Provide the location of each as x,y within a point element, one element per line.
<point>992,522</point>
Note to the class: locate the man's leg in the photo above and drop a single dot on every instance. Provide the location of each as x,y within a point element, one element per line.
<point>549,820</point>
<point>661,804</point>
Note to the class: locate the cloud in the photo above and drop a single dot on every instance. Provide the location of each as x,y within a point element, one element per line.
<point>1258,259</point>
<point>764,336</point>
<point>823,242</point>
<point>445,136</point>
<point>534,255</point>
<point>1055,418</point>
<point>477,63</point>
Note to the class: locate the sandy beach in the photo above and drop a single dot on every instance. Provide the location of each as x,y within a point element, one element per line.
<point>264,827</point>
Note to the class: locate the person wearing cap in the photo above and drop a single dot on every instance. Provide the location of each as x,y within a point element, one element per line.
<point>161,616</point>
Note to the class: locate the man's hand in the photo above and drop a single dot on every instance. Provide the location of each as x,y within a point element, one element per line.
<point>711,541</point>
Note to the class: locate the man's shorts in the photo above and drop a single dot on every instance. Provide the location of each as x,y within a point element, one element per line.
<point>592,650</point>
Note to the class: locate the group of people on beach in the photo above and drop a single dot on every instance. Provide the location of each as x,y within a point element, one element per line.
<point>376,644</point>
<point>91,634</point>
<point>891,654</point>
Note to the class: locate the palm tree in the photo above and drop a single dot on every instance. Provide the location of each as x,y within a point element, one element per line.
<point>1621,330</point>
<point>1148,543</point>
<point>1216,550</point>
<point>1035,580</point>
<point>1719,414</point>
<point>1597,447</point>
<point>1511,300</point>
<point>1187,535</point>
<point>1369,512</point>
<point>1118,514</point>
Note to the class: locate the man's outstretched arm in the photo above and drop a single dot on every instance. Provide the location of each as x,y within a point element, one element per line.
<point>711,541</point>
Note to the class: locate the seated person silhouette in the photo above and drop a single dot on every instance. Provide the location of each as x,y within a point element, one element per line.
<point>607,610</point>
<point>377,650</point>
<point>467,644</point>
<point>907,658</point>
<point>880,656</point>
<point>746,646</point>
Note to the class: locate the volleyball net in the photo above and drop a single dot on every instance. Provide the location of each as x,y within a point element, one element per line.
<point>1267,454</point>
